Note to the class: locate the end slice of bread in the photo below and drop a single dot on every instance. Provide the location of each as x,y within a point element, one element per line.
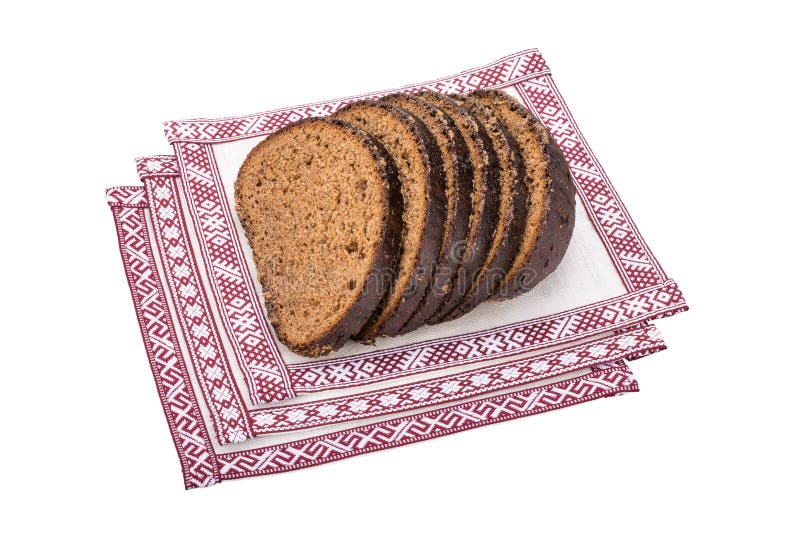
<point>321,207</point>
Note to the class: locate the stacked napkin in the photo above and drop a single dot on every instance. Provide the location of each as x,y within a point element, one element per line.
<point>240,404</point>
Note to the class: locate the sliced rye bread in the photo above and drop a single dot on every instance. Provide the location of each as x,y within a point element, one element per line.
<point>320,204</point>
<point>485,201</point>
<point>458,183</point>
<point>422,183</point>
<point>551,199</point>
<point>512,213</point>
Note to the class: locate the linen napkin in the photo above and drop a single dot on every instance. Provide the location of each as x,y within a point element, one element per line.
<point>240,403</point>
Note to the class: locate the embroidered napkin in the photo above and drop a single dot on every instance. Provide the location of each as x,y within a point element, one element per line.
<point>206,461</point>
<point>253,403</point>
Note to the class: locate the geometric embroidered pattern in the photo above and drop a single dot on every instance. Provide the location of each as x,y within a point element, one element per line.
<point>631,344</point>
<point>185,422</point>
<point>618,313</point>
<point>516,67</point>
<point>263,369</point>
<point>155,165</point>
<point>202,466</point>
<point>635,262</point>
<point>605,380</point>
<point>126,196</point>
<point>193,311</point>
<point>205,347</point>
<point>459,386</point>
<point>625,311</point>
<point>233,288</point>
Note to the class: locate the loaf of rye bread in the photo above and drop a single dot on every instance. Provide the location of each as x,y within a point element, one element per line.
<point>407,211</point>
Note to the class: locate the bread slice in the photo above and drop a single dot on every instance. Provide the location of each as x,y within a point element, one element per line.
<point>320,204</point>
<point>551,198</point>
<point>512,213</point>
<point>419,166</point>
<point>485,201</point>
<point>458,183</point>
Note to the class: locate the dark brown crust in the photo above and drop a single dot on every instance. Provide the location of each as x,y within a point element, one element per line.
<point>473,257</point>
<point>558,219</point>
<point>512,222</point>
<point>556,230</point>
<point>432,231</point>
<point>455,155</point>
<point>384,255</point>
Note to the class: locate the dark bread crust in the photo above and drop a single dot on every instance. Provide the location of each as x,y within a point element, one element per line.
<point>485,182</point>
<point>558,218</point>
<point>457,161</point>
<point>382,323</point>
<point>374,286</point>
<point>512,221</point>
<point>556,229</point>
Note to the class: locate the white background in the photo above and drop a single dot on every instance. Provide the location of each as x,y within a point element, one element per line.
<point>691,107</point>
